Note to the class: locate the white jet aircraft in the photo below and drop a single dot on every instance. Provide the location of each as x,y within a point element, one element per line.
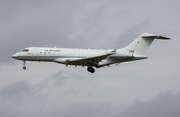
<point>89,57</point>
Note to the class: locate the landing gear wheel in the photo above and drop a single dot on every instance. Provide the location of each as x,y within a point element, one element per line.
<point>90,69</point>
<point>24,67</point>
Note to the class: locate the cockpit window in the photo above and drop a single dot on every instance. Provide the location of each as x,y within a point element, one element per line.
<point>25,50</point>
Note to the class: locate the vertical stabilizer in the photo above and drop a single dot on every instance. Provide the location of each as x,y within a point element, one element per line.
<point>141,44</point>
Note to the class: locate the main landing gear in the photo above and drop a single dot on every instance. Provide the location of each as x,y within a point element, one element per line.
<point>24,63</point>
<point>90,69</point>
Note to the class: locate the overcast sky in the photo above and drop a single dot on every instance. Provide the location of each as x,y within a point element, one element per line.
<point>146,88</point>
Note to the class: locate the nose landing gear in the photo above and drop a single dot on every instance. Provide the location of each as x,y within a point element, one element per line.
<point>90,69</point>
<point>24,67</point>
<point>24,63</point>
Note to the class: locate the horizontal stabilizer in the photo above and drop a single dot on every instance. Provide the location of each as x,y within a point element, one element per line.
<point>154,36</point>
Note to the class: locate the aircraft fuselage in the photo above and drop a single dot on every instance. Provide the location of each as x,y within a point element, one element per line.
<point>89,57</point>
<point>65,56</point>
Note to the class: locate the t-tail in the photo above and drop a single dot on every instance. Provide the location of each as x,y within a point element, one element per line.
<point>141,44</point>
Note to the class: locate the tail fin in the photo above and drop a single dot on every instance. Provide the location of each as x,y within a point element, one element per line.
<point>140,44</point>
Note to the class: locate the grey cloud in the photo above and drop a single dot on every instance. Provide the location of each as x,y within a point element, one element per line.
<point>40,26</point>
<point>163,105</point>
<point>60,95</point>
<point>82,24</point>
<point>15,90</point>
<point>90,24</point>
<point>132,33</point>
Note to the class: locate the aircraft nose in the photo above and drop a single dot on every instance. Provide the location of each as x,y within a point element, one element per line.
<point>15,56</point>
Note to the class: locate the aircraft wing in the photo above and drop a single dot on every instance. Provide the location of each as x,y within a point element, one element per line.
<point>90,60</point>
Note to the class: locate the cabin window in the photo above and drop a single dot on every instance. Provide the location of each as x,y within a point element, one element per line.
<point>25,50</point>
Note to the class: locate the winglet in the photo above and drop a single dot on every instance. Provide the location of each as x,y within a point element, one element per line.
<point>114,50</point>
